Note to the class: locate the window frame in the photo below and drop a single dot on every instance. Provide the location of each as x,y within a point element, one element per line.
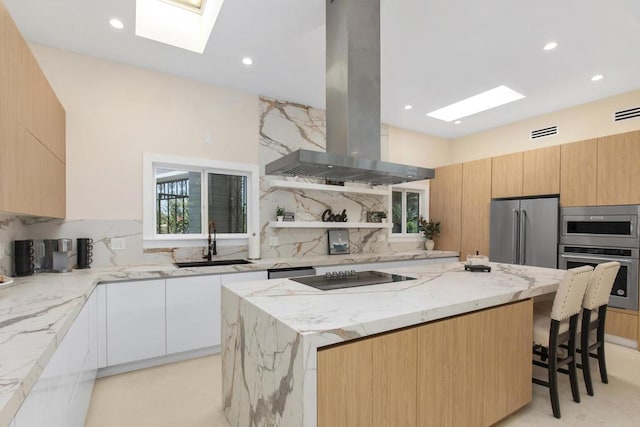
<point>151,239</point>
<point>420,187</point>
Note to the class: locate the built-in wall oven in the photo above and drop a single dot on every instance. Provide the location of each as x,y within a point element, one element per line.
<point>596,234</point>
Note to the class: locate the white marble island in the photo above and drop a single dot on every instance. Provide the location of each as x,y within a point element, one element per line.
<point>272,329</point>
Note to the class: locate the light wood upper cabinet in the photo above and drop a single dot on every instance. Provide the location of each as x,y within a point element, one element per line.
<point>506,175</point>
<point>476,204</point>
<point>445,195</point>
<point>32,135</point>
<point>618,169</point>
<point>578,176</point>
<point>541,171</point>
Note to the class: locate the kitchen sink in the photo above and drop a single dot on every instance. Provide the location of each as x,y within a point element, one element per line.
<point>212,263</point>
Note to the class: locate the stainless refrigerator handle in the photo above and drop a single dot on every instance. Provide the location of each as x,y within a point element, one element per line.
<point>624,261</point>
<point>516,226</point>
<point>523,236</point>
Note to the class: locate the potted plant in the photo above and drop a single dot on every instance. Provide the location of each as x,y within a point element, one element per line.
<point>279,213</point>
<point>383,217</point>
<point>431,229</point>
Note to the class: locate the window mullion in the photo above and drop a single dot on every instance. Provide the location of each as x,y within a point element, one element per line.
<point>204,196</point>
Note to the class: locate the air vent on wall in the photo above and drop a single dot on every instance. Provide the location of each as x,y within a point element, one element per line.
<point>541,133</point>
<point>629,113</point>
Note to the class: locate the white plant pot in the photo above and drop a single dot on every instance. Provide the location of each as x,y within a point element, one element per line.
<point>280,218</point>
<point>429,244</point>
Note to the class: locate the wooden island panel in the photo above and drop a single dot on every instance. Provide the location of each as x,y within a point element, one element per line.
<point>473,370</point>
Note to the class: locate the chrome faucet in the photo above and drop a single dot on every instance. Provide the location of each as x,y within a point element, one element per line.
<point>211,246</point>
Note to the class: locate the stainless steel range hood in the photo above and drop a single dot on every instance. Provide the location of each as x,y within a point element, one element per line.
<point>353,105</point>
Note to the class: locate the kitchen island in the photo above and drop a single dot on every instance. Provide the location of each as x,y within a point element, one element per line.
<point>297,356</point>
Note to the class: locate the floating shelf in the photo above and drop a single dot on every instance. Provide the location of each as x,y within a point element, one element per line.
<point>320,224</point>
<point>334,188</point>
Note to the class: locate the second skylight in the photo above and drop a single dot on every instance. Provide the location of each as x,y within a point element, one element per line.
<point>483,101</point>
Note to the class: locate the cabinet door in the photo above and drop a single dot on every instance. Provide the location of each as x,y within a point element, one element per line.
<point>193,313</point>
<point>506,175</point>
<point>578,173</point>
<point>135,321</point>
<point>476,204</point>
<point>619,169</point>
<point>449,388</point>
<point>506,359</point>
<point>541,171</point>
<point>445,205</point>
<point>345,377</point>
<point>394,378</point>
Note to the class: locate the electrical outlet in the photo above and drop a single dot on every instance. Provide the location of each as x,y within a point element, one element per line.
<point>118,244</point>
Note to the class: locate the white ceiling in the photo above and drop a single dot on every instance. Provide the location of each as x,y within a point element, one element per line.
<point>434,52</point>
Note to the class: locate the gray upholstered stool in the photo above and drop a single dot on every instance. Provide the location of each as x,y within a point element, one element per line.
<point>559,326</point>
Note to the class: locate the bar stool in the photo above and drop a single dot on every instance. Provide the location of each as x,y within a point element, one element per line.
<point>559,326</point>
<point>595,304</point>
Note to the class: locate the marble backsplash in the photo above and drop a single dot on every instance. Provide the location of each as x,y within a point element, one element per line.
<point>284,128</point>
<point>101,231</point>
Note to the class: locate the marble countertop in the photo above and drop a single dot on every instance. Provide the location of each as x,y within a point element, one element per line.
<point>37,312</point>
<point>440,290</point>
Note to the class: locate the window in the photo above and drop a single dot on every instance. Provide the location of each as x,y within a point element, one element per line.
<point>406,207</point>
<point>187,198</point>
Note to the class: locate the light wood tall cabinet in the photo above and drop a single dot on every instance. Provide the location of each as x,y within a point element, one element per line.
<point>476,206</point>
<point>445,205</point>
<point>541,171</point>
<point>506,176</point>
<point>32,135</point>
<point>619,169</point>
<point>467,370</point>
<point>578,173</point>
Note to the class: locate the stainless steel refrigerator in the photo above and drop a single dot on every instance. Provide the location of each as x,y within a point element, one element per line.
<point>525,231</point>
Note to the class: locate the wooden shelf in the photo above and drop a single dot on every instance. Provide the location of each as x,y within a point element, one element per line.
<point>335,188</point>
<point>320,224</point>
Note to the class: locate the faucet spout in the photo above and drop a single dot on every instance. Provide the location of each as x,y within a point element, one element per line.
<point>211,243</point>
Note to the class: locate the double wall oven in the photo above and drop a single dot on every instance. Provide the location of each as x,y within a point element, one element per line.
<point>596,234</point>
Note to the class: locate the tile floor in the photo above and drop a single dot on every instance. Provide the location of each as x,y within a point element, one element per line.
<point>188,394</point>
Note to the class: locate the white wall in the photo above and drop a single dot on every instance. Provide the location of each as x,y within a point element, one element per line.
<point>117,112</point>
<point>417,149</point>
<point>574,124</point>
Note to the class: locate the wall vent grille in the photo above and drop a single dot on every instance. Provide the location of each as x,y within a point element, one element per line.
<point>543,133</point>
<point>629,113</point>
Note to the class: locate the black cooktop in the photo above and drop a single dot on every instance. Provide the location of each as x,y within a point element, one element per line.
<point>349,279</point>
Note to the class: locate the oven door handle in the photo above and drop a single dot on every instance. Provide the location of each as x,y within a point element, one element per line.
<point>623,261</point>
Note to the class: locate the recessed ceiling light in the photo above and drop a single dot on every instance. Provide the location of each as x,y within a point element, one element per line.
<point>116,23</point>
<point>597,77</point>
<point>550,46</point>
<point>483,101</point>
<point>457,122</point>
<point>408,107</point>
<point>247,61</point>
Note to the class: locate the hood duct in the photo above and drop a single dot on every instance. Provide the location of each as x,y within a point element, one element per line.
<point>353,105</point>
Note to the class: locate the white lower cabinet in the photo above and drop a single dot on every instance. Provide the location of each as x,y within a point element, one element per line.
<point>61,395</point>
<point>135,321</point>
<point>193,313</point>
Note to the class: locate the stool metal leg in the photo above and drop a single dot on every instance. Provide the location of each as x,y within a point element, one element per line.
<point>584,351</point>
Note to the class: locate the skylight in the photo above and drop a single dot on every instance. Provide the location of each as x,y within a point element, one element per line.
<point>483,101</point>
<point>186,24</point>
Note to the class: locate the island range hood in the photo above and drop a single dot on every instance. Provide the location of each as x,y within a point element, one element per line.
<point>353,105</point>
